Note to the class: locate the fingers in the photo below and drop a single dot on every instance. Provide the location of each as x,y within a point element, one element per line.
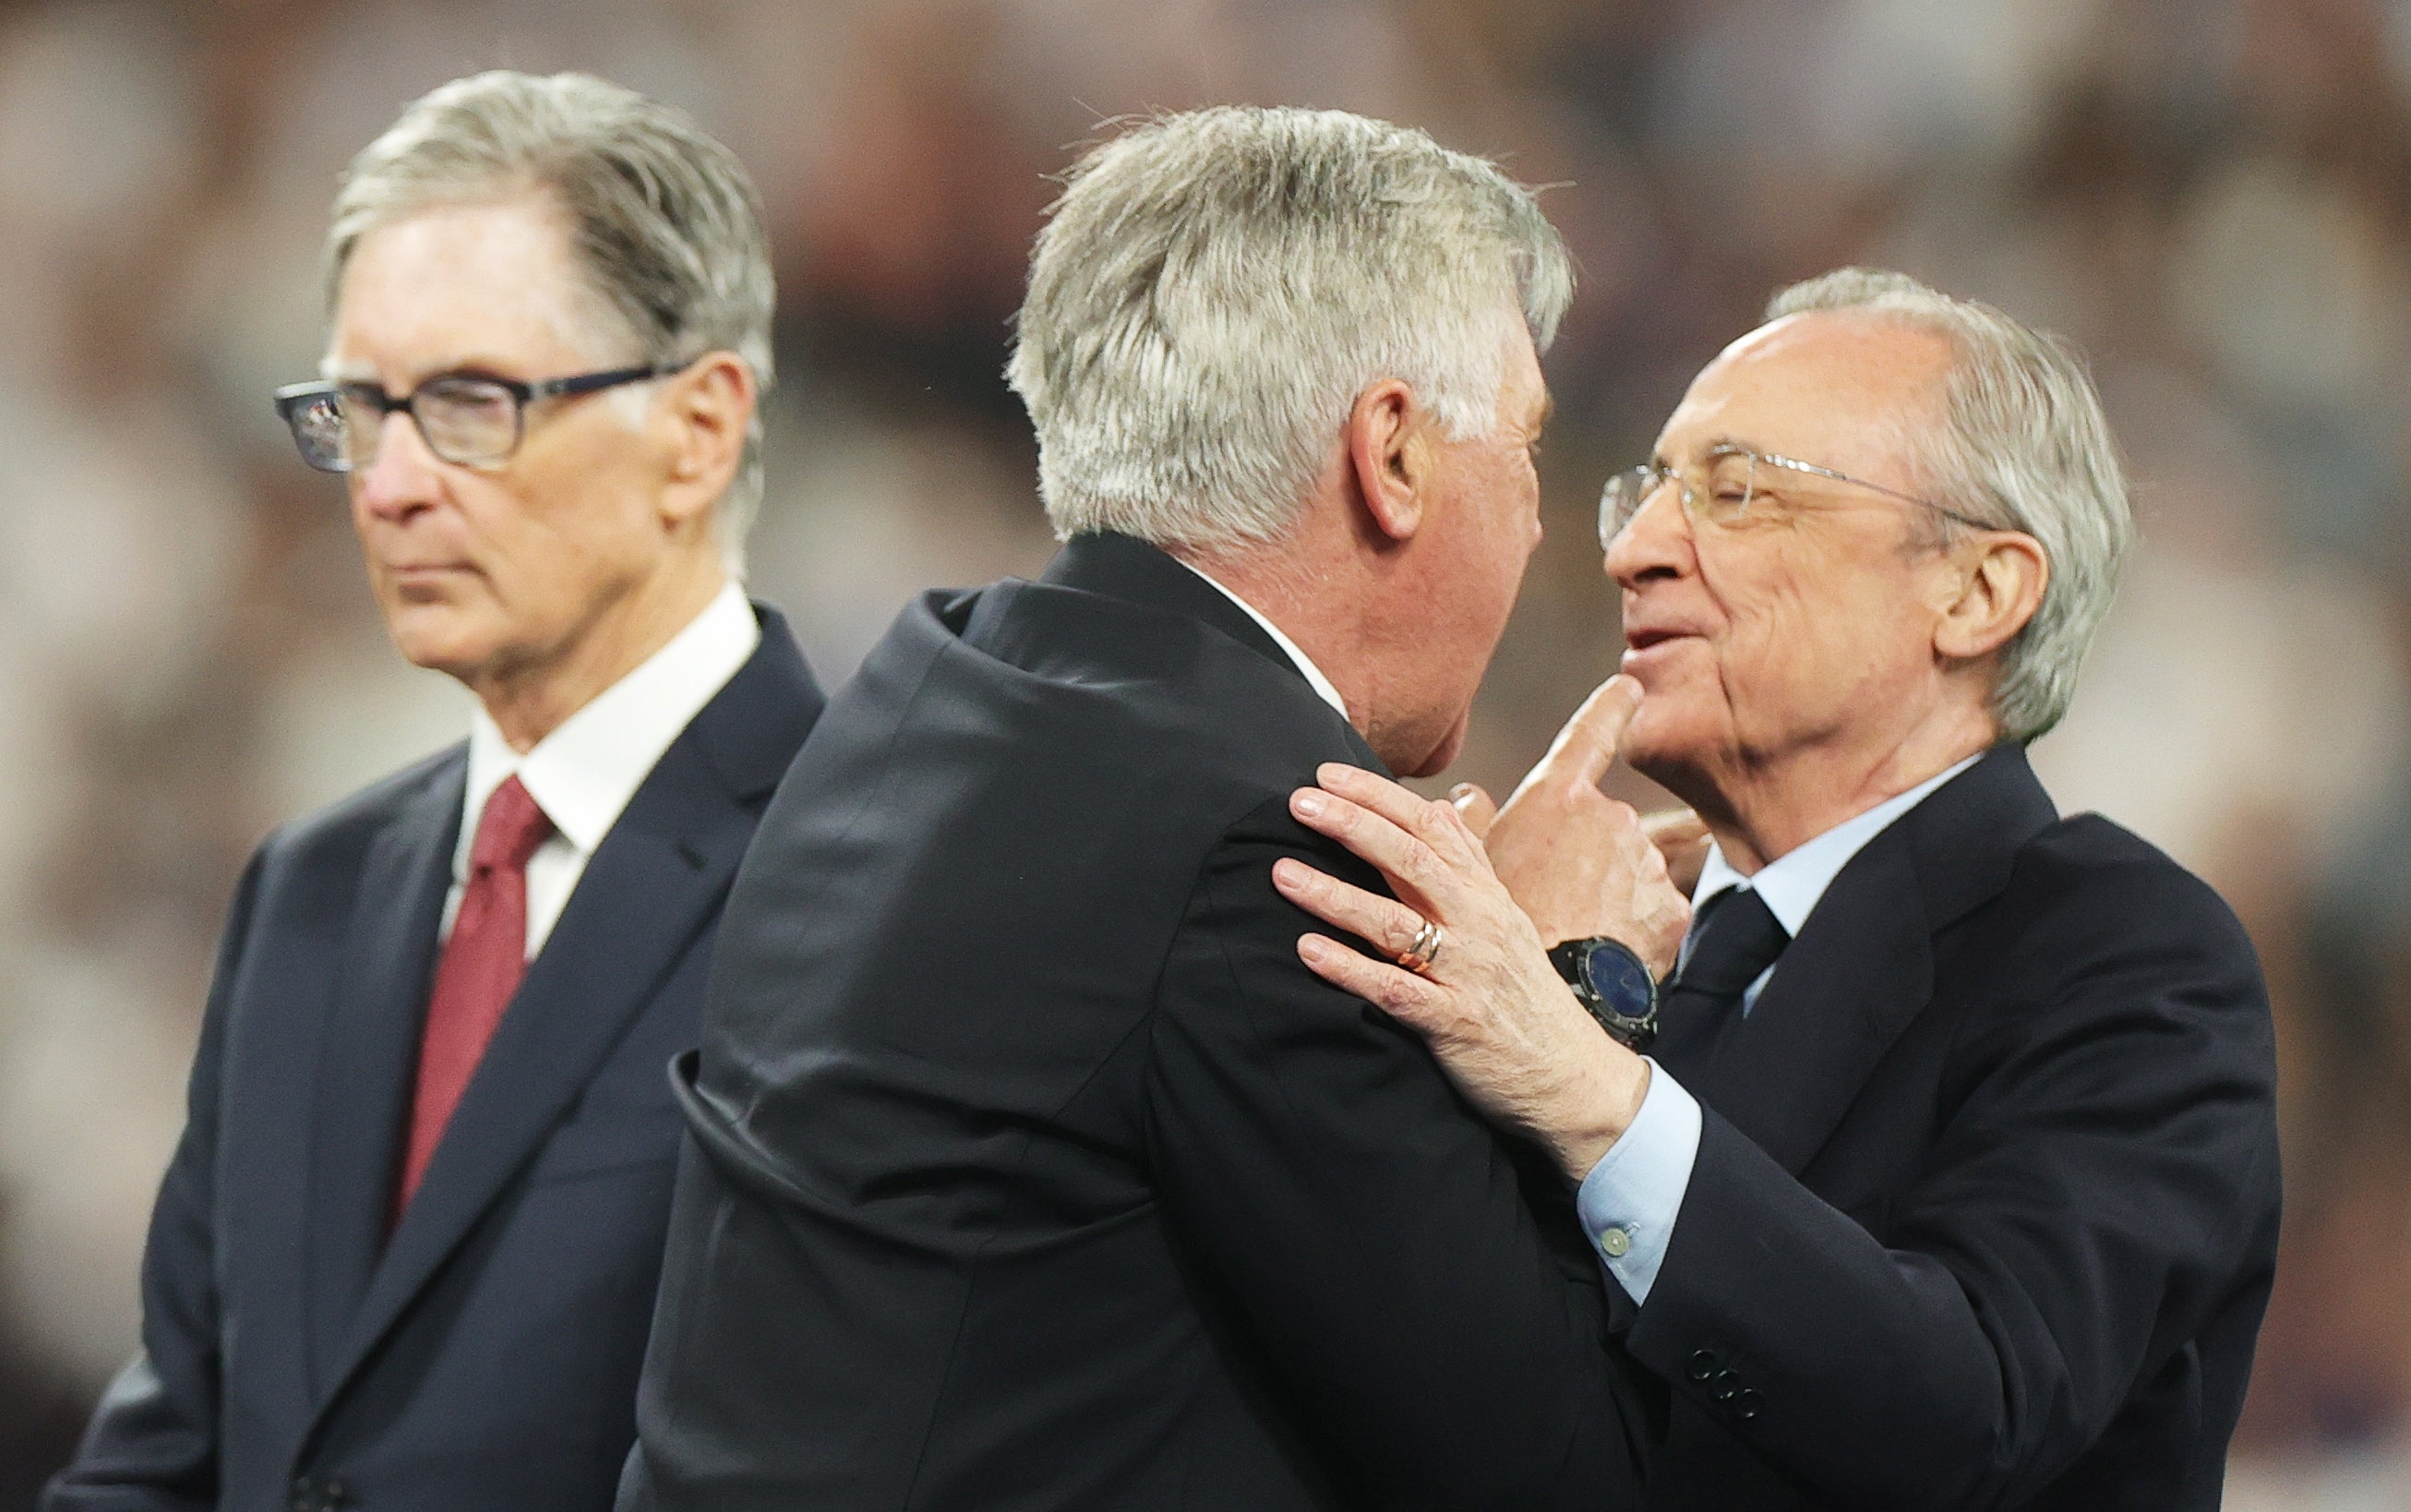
<point>1410,865</point>
<point>1384,923</point>
<point>1475,807</point>
<point>1429,822</point>
<point>1396,991</point>
<point>1437,827</point>
<point>1674,828</point>
<point>1586,747</point>
<point>1682,838</point>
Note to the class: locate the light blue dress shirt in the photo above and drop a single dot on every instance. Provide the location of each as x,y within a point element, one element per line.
<point>1629,1200</point>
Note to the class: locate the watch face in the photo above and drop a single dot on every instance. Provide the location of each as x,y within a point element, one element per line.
<point>1621,982</point>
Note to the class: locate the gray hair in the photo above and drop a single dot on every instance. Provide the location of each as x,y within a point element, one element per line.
<point>1213,290</point>
<point>663,219</point>
<point>2023,446</point>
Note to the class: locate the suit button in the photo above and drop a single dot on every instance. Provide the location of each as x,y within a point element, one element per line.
<point>314,1495</point>
<point>1746,1404</point>
<point>1703,1365</point>
<point>1726,1388</point>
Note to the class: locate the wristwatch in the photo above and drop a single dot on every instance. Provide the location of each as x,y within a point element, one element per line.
<point>1614,983</point>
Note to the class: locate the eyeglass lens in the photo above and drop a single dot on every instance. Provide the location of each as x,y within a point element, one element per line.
<point>465,420</point>
<point>318,429</point>
<point>469,421</point>
<point>1719,495</point>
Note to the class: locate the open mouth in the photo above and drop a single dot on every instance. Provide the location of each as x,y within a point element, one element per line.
<point>1643,639</point>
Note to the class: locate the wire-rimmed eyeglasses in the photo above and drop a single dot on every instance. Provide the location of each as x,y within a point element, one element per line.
<point>1722,492</point>
<point>473,419</point>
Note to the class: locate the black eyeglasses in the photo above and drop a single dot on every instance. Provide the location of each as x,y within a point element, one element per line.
<point>468,419</point>
<point>1721,490</point>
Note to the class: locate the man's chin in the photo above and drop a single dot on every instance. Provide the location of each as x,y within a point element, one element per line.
<point>1412,757</point>
<point>1437,762</point>
<point>438,638</point>
<point>1656,745</point>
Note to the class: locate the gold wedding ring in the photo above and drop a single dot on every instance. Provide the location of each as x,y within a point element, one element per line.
<point>1419,957</point>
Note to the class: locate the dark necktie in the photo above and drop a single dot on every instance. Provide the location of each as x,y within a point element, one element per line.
<point>1739,938</point>
<point>481,968</point>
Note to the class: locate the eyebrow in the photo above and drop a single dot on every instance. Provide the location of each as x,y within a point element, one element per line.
<point>1658,459</point>
<point>467,367</point>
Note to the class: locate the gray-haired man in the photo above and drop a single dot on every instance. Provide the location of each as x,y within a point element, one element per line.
<point>406,1251</point>
<point>1034,1171</point>
<point>1955,1179</point>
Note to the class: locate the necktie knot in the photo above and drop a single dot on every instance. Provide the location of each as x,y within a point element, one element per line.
<point>509,831</point>
<point>1739,938</point>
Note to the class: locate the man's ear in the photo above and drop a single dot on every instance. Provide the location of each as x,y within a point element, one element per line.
<point>1390,455</point>
<point>708,409</point>
<point>2001,576</point>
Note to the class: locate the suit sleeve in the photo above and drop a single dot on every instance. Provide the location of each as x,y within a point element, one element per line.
<point>152,1443</point>
<point>2106,1181</point>
<point>1382,1251</point>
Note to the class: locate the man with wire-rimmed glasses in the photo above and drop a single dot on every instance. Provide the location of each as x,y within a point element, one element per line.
<point>1950,1178</point>
<point>406,1252</point>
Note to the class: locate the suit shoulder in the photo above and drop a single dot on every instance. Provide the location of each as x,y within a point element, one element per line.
<point>1224,724</point>
<point>346,825</point>
<point>2091,901</point>
<point>2089,861</point>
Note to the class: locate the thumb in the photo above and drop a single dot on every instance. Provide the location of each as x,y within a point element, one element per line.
<point>1682,840</point>
<point>1475,808</point>
<point>1674,828</point>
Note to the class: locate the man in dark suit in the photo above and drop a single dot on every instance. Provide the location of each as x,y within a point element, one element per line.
<point>406,1252</point>
<point>1032,1170</point>
<point>1954,1183</point>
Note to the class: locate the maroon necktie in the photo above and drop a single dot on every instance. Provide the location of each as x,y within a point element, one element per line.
<point>481,968</point>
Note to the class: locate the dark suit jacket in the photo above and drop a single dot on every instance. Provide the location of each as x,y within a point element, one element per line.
<point>487,1357</point>
<point>1985,1211</point>
<point>1034,1170</point>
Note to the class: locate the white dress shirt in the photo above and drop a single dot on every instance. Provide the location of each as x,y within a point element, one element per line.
<point>1321,684</point>
<point>1629,1200</point>
<point>583,773</point>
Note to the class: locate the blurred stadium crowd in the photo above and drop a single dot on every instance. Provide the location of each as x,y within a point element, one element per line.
<point>2212,196</point>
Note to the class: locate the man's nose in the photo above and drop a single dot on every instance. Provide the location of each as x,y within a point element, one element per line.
<point>1656,542</point>
<point>401,475</point>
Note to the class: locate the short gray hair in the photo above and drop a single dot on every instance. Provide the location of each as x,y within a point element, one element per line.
<point>662,218</point>
<point>2023,446</point>
<point>1213,290</point>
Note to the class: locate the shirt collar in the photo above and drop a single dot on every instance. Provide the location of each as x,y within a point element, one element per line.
<point>1792,884</point>
<point>584,773</point>
<point>1313,674</point>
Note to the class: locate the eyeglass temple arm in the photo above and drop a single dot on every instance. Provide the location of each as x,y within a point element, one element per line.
<point>585,382</point>
<point>1798,466</point>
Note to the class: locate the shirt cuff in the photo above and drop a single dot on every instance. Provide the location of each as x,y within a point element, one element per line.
<point>1629,1200</point>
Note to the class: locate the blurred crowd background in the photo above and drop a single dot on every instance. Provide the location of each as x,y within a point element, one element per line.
<point>2212,196</point>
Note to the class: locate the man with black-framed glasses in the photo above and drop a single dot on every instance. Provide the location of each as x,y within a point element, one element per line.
<point>1950,1176</point>
<point>406,1252</point>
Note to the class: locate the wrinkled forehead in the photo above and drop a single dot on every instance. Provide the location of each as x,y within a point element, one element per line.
<point>487,282</point>
<point>1844,389</point>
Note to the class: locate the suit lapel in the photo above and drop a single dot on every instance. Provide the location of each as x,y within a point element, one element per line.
<point>362,1095</point>
<point>653,886</point>
<point>1863,967</point>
